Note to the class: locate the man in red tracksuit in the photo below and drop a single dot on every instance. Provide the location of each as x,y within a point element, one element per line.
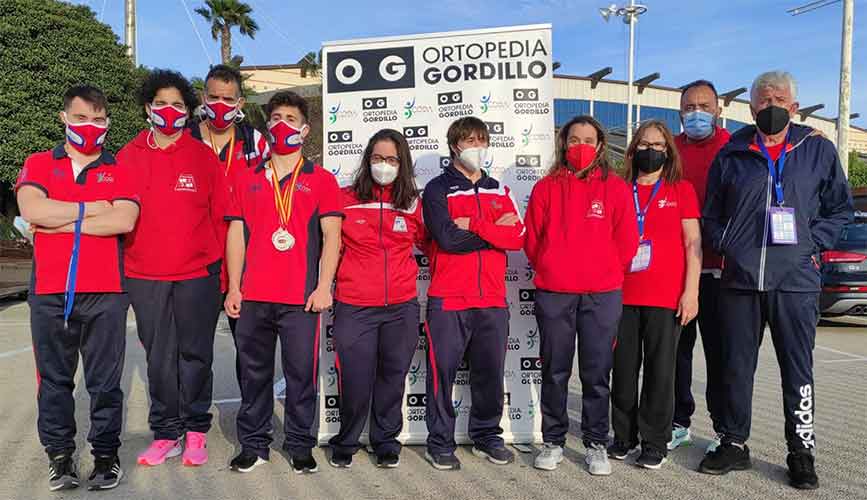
<point>473,221</point>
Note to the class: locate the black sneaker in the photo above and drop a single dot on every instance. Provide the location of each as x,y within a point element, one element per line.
<point>106,473</point>
<point>802,471</point>
<point>303,463</point>
<point>246,461</point>
<point>495,454</point>
<point>443,461</point>
<point>388,460</point>
<point>61,473</point>
<point>650,459</point>
<point>340,459</point>
<point>725,459</point>
<point>619,450</point>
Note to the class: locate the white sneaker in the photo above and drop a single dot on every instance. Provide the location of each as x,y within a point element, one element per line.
<point>679,436</point>
<point>549,458</point>
<point>597,460</point>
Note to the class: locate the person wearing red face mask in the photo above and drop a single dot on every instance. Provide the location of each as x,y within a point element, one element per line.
<point>80,202</point>
<point>581,237</point>
<point>172,262</point>
<point>221,126</point>
<point>282,250</point>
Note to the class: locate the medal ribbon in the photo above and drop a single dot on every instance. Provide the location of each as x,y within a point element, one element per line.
<point>283,197</point>
<point>231,149</point>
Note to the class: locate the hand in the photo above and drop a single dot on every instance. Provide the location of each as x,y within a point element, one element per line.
<point>687,309</point>
<point>232,305</point>
<point>463,223</point>
<point>319,300</point>
<point>93,208</point>
<point>508,219</point>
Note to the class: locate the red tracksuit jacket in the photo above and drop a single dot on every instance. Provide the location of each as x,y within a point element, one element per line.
<point>469,267</point>
<point>377,266</point>
<point>180,233</point>
<point>581,233</point>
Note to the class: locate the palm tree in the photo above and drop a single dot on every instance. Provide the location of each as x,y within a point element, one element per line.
<point>311,63</point>
<point>223,15</point>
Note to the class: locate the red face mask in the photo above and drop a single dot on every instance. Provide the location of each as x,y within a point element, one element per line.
<point>580,156</point>
<point>168,119</point>
<point>220,114</point>
<point>87,138</point>
<point>285,138</point>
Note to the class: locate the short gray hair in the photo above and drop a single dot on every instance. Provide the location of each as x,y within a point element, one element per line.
<point>775,79</point>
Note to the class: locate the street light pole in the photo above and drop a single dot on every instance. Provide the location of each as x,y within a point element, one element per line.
<point>630,15</point>
<point>129,30</point>
<point>845,85</point>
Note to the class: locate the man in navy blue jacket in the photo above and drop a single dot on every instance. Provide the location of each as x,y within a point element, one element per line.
<point>776,198</point>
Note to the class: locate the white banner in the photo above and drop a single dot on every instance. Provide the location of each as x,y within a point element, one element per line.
<point>419,85</point>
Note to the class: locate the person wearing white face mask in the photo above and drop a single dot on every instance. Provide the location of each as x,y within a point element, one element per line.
<point>473,220</point>
<point>376,310</point>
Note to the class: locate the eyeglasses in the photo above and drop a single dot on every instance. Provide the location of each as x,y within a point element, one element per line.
<point>656,146</point>
<point>394,161</point>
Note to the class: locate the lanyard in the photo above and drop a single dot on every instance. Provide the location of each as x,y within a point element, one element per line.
<point>642,214</point>
<point>72,274</point>
<point>776,171</point>
<point>283,197</point>
<point>231,149</point>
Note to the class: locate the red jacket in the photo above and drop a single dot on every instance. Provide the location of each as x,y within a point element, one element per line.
<point>180,232</point>
<point>377,266</point>
<point>581,233</point>
<point>696,157</point>
<point>469,267</point>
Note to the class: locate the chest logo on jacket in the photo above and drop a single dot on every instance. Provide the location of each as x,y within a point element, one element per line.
<point>597,210</point>
<point>399,225</point>
<point>666,203</point>
<point>186,182</point>
<point>104,177</point>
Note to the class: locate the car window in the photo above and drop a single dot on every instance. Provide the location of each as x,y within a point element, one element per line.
<point>855,233</point>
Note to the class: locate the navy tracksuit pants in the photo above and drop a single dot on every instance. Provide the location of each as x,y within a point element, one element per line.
<point>708,324</point>
<point>594,318</point>
<point>375,346</point>
<point>176,321</point>
<point>792,317</point>
<point>256,334</point>
<point>97,330</point>
<point>480,335</point>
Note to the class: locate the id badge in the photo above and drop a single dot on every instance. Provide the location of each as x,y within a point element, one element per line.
<point>783,231</point>
<point>641,261</point>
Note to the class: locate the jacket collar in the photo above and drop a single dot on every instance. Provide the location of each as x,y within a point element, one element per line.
<point>104,158</point>
<point>745,138</point>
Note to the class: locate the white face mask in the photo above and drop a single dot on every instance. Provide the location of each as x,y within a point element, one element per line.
<point>383,173</point>
<point>473,158</point>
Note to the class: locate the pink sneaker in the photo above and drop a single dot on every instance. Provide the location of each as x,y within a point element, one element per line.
<point>196,450</point>
<point>159,451</point>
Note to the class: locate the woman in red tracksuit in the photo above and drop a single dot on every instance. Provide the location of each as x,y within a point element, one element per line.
<point>581,236</point>
<point>172,264</point>
<point>376,311</point>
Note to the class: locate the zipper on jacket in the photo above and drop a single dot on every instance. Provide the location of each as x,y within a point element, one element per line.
<point>765,236</point>
<point>382,243</point>
<point>479,252</point>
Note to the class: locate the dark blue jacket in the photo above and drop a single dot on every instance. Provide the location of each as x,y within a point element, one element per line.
<point>735,217</point>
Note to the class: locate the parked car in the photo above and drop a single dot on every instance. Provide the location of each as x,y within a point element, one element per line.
<point>16,261</point>
<point>844,272</point>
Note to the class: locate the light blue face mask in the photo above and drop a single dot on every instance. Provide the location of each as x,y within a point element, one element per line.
<point>698,124</point>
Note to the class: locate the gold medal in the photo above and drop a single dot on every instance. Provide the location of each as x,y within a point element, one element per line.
<point>282,239</point>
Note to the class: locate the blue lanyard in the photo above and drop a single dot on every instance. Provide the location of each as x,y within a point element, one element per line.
<point>69,296</point>
<point>642,214</point>
<point>776,171</point>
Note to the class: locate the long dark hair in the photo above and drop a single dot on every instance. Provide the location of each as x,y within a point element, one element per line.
<point>561,166</point>
<point>404,190</point>
<point>672,171</point>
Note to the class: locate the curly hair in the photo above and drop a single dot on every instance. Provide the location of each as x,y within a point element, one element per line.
<point>159,79</point>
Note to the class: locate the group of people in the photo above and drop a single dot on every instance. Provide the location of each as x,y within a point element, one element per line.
<point>201,213</point>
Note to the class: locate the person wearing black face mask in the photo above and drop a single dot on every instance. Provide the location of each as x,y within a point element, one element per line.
<point>660,295</point>
<point>790,176</point>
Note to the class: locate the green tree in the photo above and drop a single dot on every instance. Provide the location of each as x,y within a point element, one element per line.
<point>47,46</point>
<point>223,15</point>
<point>311,63</point>
<point>857,170</point>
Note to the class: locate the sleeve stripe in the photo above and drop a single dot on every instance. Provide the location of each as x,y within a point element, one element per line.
<point>32,183</point>
<point>333,214</point>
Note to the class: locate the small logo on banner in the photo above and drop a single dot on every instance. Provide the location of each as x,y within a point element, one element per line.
<point>527,301</point>
<point>413,132</point>
<point>332,401</point>
<point>338,136</point>
<point>416,400</point>
<point>531,371</point>
<point>451,105</point>
<point>374,103</point>
<point>526,102</point>
<point>186,182</point>
<point>446,98</point>
<point>332,409</point>
<point>415,411</point>
<point>376,69</point>
<point>525,95</point>
<point>596,210</point>
<point>399,225</point>
<point>531,161</point>
<point>445,162</point>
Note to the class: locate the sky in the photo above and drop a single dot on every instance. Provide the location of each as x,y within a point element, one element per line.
<point>726,41</point>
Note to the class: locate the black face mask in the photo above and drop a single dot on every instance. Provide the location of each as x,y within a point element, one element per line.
<point>772,120</point>
<point>649,160</point>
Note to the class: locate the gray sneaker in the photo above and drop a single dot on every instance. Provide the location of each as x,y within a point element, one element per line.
<point>597,460</point>
<point>549,458</point>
